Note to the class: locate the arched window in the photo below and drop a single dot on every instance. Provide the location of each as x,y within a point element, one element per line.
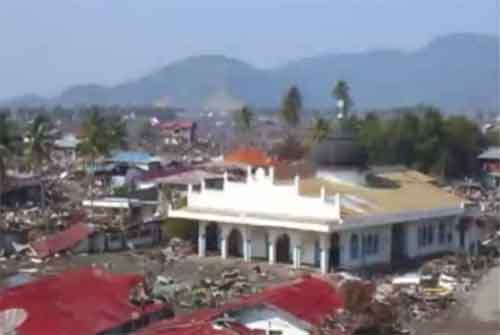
<point>354,246</point>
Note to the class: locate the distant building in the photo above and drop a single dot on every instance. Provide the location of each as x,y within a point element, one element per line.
<point>178,132</point>
<point>490,164</point>
<point>67,145</point>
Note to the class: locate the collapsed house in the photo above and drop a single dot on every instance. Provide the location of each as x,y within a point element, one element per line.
<point>121,223</point>
<point>66,148</point>
<point>490,163</point>
<point>296,308</point>
<point>84,301</point>
<point>178,132</point>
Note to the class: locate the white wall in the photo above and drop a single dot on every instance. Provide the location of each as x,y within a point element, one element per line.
<point>264,318</point>
<point>259,245</point>
<point>384,247</point>
<point>309,247</point>
<point>415,251</point>
<point>260,195</point>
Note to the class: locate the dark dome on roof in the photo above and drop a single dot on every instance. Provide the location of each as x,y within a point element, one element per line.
<point>339,148</point>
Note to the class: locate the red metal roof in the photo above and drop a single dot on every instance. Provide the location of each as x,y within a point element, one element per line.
<point>78,302</point>
<point>250,156</point>
<point>60,241</point>
<point>309,299</point>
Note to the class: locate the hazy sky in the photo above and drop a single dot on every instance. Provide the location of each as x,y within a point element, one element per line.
<point>47,45</point>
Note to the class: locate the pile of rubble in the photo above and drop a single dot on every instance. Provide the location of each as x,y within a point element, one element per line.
<point>392,304</point>
<point>207,293</point>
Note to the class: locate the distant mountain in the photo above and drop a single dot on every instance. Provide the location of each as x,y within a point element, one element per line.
<point>458,71</point>
<point>25,100</point>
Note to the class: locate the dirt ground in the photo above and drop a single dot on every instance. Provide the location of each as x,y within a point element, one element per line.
<point>479,314</point>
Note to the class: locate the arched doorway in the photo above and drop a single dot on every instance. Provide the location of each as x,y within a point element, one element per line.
<point>212,237</point>
<point>235,243</point>
<point>334,250</point>
<point>283,249</point>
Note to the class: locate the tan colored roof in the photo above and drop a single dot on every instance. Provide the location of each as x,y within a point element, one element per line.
<point>415,192</point>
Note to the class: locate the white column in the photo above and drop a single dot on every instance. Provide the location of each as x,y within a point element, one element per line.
<point>224,231</point>
<point>324,251</point>
<point>202,238</point>
<point>297,250</point>
<point>247,244</point>
<point>271,245</point>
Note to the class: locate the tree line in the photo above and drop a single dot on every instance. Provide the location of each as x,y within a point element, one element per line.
<point>419,137</point>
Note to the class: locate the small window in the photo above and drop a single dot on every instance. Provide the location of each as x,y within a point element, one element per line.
<point>375,244</point>
<point>442,233</point>
<point>354,246</point>
<point>430,234</point>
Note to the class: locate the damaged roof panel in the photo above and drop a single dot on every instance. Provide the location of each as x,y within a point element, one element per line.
<point>85,301</point>
<point>62,240</point>
<point>309,299</point>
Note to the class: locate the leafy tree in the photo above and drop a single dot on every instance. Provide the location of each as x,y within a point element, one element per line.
<point>8,142</point>
<point>147,132</point>
<point>100,136</point>
<point>372,135</point>
<point>291,107</point>
<point>39,143</point>
<point>243,119</point>
<point>318,131</point>
<point>463,142</point>
<point>117,131</point>
<point>342,91</point>
<point>422,138</point>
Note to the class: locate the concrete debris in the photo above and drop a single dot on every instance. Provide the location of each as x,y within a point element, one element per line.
<point>393,304</point>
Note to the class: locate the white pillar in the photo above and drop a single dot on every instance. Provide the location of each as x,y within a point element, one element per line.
<point>224,234</point>
<point>324,251</point>
<point>202,238</point>
<point>247,244</point>
<point>297,250</point>
<point>271,245</point>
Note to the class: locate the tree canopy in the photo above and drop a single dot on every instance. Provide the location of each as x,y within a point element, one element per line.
<point>291,107</point>
<point>243,119</point>
<point>342,92</point>
<point>420,137</point>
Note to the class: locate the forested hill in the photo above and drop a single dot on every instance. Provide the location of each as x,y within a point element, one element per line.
<point>457,71</point>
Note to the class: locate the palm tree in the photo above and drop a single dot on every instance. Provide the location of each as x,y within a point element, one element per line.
<point>319,130</point>
<point>100,136</point>
<point>7,148</point>
<point>341,92</point>
<point>38,147</point>
<point>291,107</point>
<point>244,119</point>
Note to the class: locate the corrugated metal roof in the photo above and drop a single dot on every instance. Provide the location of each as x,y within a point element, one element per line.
<point>135,157</point>
<point>84,301</point>
<point>308,299</point>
